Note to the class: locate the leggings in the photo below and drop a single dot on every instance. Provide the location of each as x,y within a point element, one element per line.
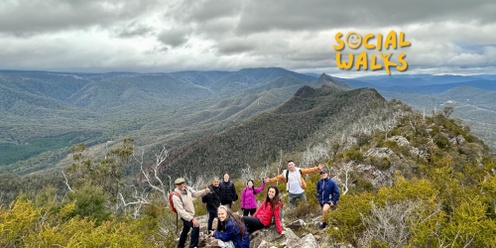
<point>249,211</point>
<point>252,223</point>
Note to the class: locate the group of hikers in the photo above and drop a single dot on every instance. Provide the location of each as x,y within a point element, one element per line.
<point>233,231</point>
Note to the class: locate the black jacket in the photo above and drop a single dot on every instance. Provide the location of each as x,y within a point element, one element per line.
<point>212,199</point>
<point>227,192</point>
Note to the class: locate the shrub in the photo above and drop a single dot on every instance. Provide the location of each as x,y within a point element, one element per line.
<point>89,202</point>
<point>351,155</point>
<point>347,218</point>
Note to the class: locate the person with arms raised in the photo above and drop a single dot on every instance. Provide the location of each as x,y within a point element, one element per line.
<point>295,183</point>
<point>248,197</point>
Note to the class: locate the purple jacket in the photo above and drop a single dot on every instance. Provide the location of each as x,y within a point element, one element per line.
<point>248,199</point>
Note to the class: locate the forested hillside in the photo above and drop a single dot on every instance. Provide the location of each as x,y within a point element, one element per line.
<point>43,114</point>
<point>60,110</point>
<point>406,179</point>
<point>261,140</point>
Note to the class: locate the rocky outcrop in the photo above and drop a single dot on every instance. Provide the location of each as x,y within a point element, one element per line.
<point>267,237</point>
<point>458,140</point>
<point>400,140</point>
<point>379,152</point>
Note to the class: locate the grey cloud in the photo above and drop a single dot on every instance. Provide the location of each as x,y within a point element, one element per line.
<point>200,11</point>
<point>217,29</point>
<point>212,19</point>
<point>174,37</point>
<point>230,34</point>
<point>261,15</point>
<point>28,17</point>
<point>234,46</point>
<point>133,30</point>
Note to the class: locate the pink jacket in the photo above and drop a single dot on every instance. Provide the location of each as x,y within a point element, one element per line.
<point>265,213</point>
<point>248,199</point>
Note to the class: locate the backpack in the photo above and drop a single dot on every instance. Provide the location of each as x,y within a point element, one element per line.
<point>171,203</point>
<point>302,180</point>
<point>252,190</point>
<point>281,214</point>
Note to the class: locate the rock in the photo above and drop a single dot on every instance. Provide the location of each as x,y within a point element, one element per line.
<point>209,242</point>
<point>363,167</point>
<point>268,237</point>
<point>263,244</point>
<point>379,152</point>
<point>458,140</point>
<point>299,223</point>
<point>307,241</point>
<point>400,140</point>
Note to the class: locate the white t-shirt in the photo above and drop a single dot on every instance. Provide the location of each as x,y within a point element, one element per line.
<point>294,185</point>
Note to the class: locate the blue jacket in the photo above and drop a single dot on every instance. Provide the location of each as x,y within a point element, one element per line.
<point>232,233</point>
<point>327,190</point>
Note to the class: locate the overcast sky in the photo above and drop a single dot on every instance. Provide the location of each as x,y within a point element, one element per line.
<point>447,36</point>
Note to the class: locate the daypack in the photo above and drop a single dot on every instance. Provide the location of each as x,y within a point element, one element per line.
<point>302,180</point>
<point>274,216</point>
<point>253,191</point>
<point>171,203</point>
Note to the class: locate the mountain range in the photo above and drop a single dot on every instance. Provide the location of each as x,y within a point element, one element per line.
<point>45,113</point>
<point>310,117</point>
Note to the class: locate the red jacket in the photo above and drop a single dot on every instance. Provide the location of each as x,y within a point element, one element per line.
<point>265,213</point>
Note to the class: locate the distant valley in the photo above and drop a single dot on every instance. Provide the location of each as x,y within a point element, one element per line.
<point>43,114</point>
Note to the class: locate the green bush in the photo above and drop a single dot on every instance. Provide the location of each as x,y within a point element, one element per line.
<point>353,154</point>
<point>90,201</point>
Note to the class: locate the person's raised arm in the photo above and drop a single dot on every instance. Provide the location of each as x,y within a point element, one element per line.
<point>261,188</point>
<point>277,178</point>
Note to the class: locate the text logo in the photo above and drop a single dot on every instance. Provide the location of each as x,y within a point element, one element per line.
<point>354,40</point>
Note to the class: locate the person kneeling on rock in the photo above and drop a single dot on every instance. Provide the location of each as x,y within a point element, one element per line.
<point>231,231</point>
<point>270,208</point>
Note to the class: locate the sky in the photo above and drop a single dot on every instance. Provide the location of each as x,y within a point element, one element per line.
<point>446,36</point>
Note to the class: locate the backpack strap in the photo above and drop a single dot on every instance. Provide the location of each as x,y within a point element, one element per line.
<point>178,195</point>
<point>174,193</point>
<point>287,173</point>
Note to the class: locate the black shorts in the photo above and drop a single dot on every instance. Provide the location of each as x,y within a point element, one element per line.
<point>328,203</point>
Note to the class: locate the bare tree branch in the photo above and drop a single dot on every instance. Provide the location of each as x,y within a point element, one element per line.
<point>137,204</point>
<point>348,168</point>
<point>159,160</point>
<point>67,182</point>
<point>246,173</point>
<point>389,224</point>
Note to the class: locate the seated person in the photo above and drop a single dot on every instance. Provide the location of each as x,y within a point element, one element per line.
<point>231,231</point>
<point>270,208</point>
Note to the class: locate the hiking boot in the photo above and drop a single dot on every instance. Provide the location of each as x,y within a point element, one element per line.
<point>323,225</point>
